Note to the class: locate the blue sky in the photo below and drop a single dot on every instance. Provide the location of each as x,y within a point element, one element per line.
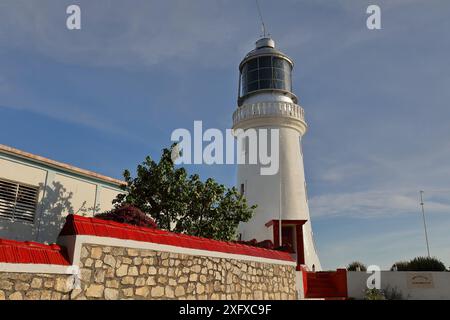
<point>376,101</point>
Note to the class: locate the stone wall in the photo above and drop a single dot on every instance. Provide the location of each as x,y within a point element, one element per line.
<point>111,273</point>
<point>26,286</point>
<point>97,259</point>
<point>123,273</point>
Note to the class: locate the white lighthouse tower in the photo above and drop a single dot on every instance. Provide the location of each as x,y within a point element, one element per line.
<point>266,102</point>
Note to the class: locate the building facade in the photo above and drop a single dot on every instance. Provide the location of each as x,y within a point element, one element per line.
<point>36,194</point>
<point>266,101</point>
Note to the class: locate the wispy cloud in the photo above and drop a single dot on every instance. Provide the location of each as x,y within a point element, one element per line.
<point>374,204</point>
<point>119,35</point>
<point>73,115</point>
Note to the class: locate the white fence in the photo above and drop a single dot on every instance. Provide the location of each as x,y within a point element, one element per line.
<point>411,285</point>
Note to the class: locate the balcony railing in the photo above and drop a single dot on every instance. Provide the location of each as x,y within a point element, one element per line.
<point>268,109</point>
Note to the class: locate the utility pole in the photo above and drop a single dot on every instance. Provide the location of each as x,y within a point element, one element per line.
<point>424,222</point>
<point>280,218</point>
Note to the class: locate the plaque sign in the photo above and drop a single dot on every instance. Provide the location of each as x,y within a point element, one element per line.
<point>420,280</point>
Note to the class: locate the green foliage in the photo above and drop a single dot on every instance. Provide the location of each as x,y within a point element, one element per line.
<point>401,266</point>
<point>426,264</point>
<point>374,294</point>
<point>379,294</point>
<point>420,264</point>
<point>392,293</point>
<point>185,204</point>
<point>356,266</point>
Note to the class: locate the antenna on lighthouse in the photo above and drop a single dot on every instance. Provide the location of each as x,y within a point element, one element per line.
<point>263,26</point>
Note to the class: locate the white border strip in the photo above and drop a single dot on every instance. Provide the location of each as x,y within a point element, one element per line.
<point>133,244</point>
<point>74,244</point>
<point>35,268</point>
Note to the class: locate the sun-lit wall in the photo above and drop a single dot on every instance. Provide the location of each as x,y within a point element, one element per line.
<point>60,190</point>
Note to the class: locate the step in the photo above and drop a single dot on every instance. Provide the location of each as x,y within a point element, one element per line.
<point>324,276</point>
<point>321,284</point>
<point>327,296</point>
<point>320,281</point>
<point>320,290</point>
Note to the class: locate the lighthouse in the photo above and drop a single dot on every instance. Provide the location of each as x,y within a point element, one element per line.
<point>266,102</point>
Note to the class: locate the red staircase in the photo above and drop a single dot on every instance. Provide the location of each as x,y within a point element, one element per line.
<point>325,285</point>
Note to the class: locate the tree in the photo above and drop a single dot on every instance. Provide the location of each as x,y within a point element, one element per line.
<point>426,264</point>
<point>400,266</point>
<point>356,266</point>
<point>185,204</point>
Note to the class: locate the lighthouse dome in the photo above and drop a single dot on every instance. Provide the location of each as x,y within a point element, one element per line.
<point>265,69</point>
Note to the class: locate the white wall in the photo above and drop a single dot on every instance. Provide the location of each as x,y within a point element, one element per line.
<point>26,174</point>
<point>63,195</point>
<point>60,194</point>
<point>82,193</point>
<point>299,284</point>
<point>105,196</point>
<point>438,288</point>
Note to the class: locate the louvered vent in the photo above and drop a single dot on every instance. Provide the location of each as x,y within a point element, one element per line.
<point>17,201</point>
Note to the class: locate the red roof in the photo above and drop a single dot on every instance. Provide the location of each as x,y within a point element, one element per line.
<point>31,252</point>
<point>78,225</point>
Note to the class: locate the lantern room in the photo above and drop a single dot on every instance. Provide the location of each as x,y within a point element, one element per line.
<point>265,69</point>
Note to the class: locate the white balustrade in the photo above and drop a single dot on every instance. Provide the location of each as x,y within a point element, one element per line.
<point>268,109</point>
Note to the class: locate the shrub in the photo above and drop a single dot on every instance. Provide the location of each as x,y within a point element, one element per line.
<point>129,215</point>
<point>393,293</point>
<point>420,264</point>
<point>286,248</point>
<point>266,244</point>
<point>356,266</point>
<point>426,264</point>
<point>379,294</point>
<point>401,266</point>
<point>374,294</point>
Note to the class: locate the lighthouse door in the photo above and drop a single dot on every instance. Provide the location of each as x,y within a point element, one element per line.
<point>288,237</point>
<point>292,236</point>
